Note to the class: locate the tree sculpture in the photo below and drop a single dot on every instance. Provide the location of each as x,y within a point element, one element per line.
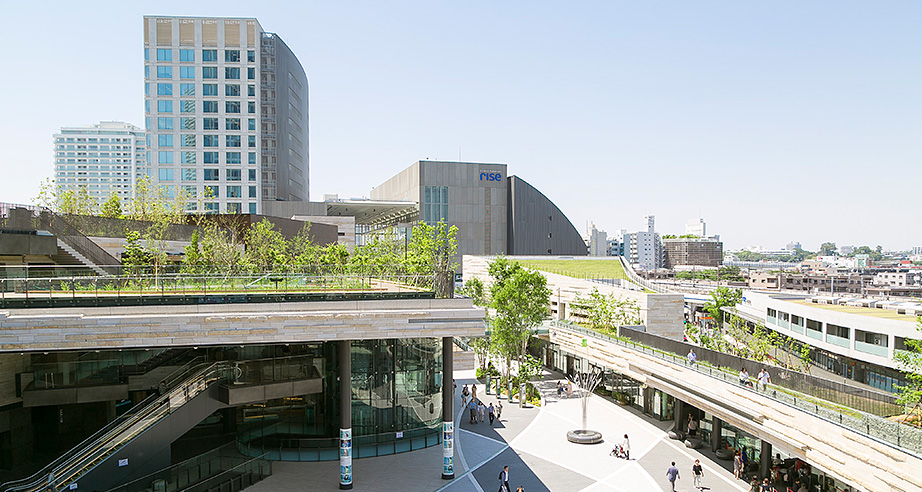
<point>586,384</point>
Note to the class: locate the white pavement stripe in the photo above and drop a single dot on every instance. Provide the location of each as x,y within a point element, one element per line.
<point>476,483</point>
<point>613,475</point>
<point>470,472</point>
<point>497,441</point>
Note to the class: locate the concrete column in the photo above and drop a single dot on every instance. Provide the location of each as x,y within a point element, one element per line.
<point>678,408</point>
<point>448,419</point>
<point>765,461</point>
<point>345,417</point>
<point>715,434</point>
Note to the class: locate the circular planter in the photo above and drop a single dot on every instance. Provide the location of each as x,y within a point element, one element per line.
<point>584,436</point>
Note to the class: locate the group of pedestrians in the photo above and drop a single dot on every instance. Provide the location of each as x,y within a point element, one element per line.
<point>479,412</point>
<point>763,378</point>
<point>672,474</point>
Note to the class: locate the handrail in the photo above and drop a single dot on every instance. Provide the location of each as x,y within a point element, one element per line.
<point>632,275</point>
<point>63,230</point>
<point>83,457</point>
<point>894,434</point>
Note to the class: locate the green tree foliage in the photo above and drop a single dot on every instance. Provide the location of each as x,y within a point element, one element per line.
<point>112,207</point>
<point>795,256</point>
<point>266,249</point>
<point>607,312</point>
<point>722,297</point>
<point>519,298</point>
<point>135,257</point>
<point>910,362</point>
<point>474,289</point>
<point>432,249</point>
<point>723,273</point>
<point>827,249</point>
<point>193,259</point>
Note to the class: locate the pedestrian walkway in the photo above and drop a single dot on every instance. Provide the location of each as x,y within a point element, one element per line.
<point>532,442</point>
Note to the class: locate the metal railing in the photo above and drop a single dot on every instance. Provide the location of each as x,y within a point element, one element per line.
<point>903,437</point>
<point>223,469</point>
<point>637,279</point>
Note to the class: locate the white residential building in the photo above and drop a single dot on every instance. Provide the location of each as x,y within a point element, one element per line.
<point>644,248</point>
<point>697,228</point>
<point>106,158</point>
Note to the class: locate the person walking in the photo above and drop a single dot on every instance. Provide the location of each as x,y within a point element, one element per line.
<point>672,474</point>
<point>491,411</point>
<point>764,379</point>
<point>499,410</point>
<point>697,474</point>
<point>626,447</point>
<point>472,406</point>
<point>483,411</point>
<point>474,391</point>
<point>504,479</point>
<point>692,426</point>
<point>744,378</point>
<point>464,394</point>
<point>692,357</point>
<point>737,465</point>
<point>766,487</point>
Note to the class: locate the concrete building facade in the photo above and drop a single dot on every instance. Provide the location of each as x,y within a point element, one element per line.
<point>106,158</point>
<point>206,125</point>
<point>644,249</point>
<point>692,251</point>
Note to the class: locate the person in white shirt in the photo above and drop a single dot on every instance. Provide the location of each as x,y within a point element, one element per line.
<point>764,379</point>
<point>626,447</point>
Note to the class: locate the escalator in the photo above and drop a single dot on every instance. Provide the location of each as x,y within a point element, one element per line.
<point>124,449</point>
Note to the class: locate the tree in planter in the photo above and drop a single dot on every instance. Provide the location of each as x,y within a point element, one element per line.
<point>266,250</point>
<point>909,393</point>
<point>431,255</point>
<point>519,298</point>
<point>607,312</point>
<point>112,208</point>
<point>722,297</point>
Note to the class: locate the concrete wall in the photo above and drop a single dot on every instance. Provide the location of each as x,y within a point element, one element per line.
<point>24,330</point>
<point>536,226</point>
<point>855,459</point>
<point>27,244</point>
<point>662,314</point>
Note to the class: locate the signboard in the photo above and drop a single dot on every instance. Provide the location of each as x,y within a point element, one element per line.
<point>490,176</point>
<point>123,462</point>
<point>585,342</point>
<point>399,434</point>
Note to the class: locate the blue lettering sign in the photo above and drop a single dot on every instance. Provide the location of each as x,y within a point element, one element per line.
<point>488,176</point>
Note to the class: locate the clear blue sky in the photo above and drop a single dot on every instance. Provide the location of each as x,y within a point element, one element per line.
<point>775,121</point>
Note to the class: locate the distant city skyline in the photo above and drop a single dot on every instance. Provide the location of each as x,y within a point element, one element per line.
<point>774,123</point>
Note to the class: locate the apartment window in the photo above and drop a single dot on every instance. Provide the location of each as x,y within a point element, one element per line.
<point>252,207</point>
<point>251,141</point>
<point>251,124</point>
<point>210,123</point>
<point>165,106</point>
<point>146,89</point>
<point>837,331</point>
<point>187,106</point>
<point>188,174</point>
<point>210,158</point>
<point>164,89</point>
<point>209,89</point>
<point>232,123</point>
<point>211,208</point>
<point>251,56</point>
<point>147,106</point>
<point>164,72</point>
<point>251,73</point>
<point>251,107</point>
<point>209,72</point>
<point>210,55</point>
<point>211,191</point>
<point>164,123</point>
<point>231,56</point>
<point>146,71</point>
<point>233,192</point>
<point>146,54</point>
<point>187,55</point>
<point>187,72</point>
<point>232,73</point>
<point>165,140</point>
<point>164,54</point>
<point>231,106</point>
<point>165,157</point>
<point>252,192</point>
<point>191,192</point>
<point>232,141</point>
<point>233,158</point>
<point>251,175</point>
<point>232,174</point>
<point>209,106</point>
<point>814,325</point>
<point>186,89</point>
<point>166,174</point>
<point>210,140</point>
<point>251,90</point>
<point>188,157</point>
<point>210,174</point>
<point>232,90</point>
<point>187,123</point>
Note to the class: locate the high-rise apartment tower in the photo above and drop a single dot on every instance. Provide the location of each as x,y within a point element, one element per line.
<point>225,112</point>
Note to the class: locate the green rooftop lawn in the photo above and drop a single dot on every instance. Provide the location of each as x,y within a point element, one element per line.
<point>579,268</point>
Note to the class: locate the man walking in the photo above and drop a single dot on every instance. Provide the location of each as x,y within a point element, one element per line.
<point>504,479</point>
<point>764,379</point>
<point>692,357</point>
<point>472,406</point>
<point>491,411</point>
<point>672,474</point>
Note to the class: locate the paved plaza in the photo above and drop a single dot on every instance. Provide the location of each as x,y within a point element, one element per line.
<point>532,442</point>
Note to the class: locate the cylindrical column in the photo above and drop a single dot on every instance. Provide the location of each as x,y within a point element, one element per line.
<point>345,418</point>
<point>765,459</point>
<point>716,429</point>
<point>448,419</point>
<point>677,411</point>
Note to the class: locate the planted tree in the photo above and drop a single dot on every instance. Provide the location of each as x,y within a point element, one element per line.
<point>909,393</point>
